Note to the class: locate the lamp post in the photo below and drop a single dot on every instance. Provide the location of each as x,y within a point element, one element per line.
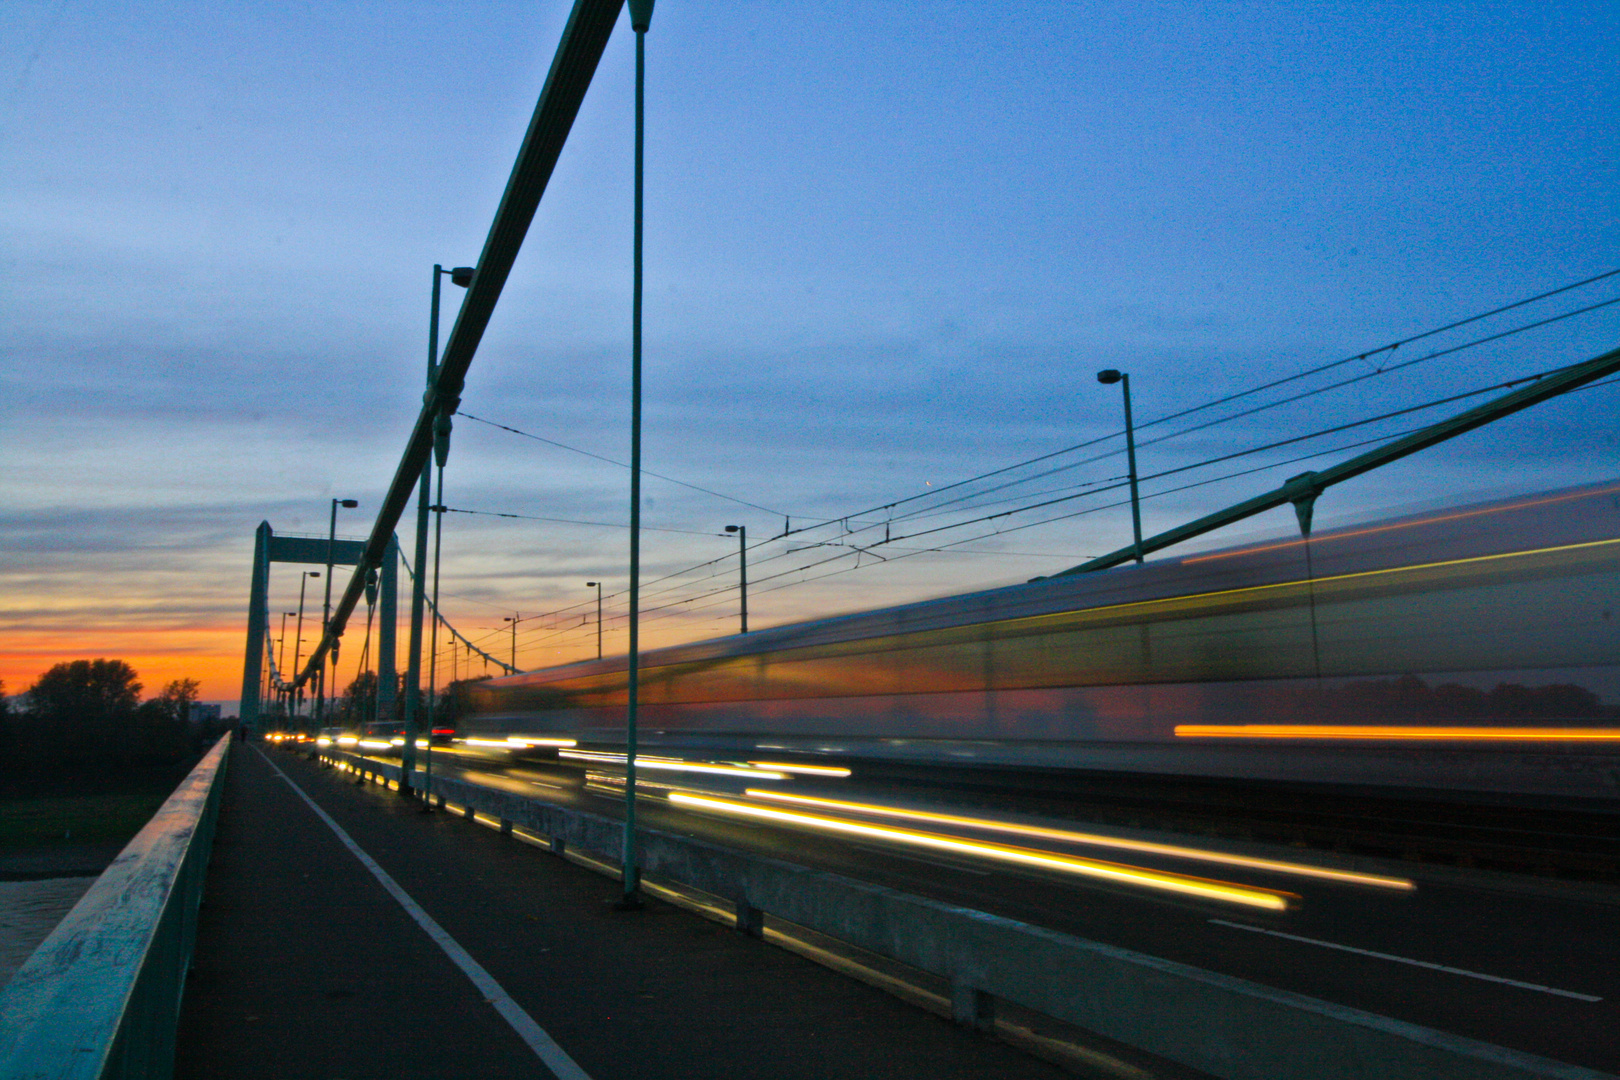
<point>1108,377</point>
<point>742,569</point>
<point>298,646</point>
<point>514,619</point>
<point>326,613</point>
<point>281,656</point>
<point>597,585</point>
<point>462,276</point>
<point>281,661</point>
<point>630,900</point>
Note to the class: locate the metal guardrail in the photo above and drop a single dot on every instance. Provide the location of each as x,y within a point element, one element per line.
<point>1225,1026</point>
<point>100,997</point>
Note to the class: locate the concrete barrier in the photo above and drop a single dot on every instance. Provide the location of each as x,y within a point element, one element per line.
<point>1225,1026</point>
<point>100,997</point>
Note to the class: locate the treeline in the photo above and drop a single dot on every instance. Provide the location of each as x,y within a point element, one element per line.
<point>88,715</point>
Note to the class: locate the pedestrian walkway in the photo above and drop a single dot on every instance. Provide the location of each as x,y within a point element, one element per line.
<point>461,953</point>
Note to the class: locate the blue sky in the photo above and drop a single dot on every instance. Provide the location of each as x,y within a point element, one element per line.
<point>888,246</point>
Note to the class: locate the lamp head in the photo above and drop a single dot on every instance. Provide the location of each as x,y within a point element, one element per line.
<point>640,15</point>
<point>732,528</point>
<point>348,504</point>
<point>593,584</point>
<point>1109,376</point>
<point>461,275</point>
<point>312,573</point>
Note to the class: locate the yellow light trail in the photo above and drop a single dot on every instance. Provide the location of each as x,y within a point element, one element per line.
<point>1230,892</point>
<point>519,742</point>
<point>1367,731</point>
<point>1098,840</point>
<point>673,765</point>
<point>808,770</point>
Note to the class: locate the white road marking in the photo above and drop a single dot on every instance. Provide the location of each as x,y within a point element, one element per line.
<point>1408,960</point>
<point>545,1047</point>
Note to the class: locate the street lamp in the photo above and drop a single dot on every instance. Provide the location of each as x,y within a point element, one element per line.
<point>1108,377</point>
<point>326,613</point>
<point>298,646</point>
<point>281,659</point>
<point>514,619</point>
<point>597,585</point>
<point>462,276</point>
<point>630,899</point>
<point>742,568</point>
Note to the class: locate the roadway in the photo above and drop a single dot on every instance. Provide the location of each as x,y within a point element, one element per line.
<point>307,966</point>
<point>1521,962</point>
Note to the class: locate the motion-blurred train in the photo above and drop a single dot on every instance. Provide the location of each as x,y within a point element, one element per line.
<point>1474,649</point>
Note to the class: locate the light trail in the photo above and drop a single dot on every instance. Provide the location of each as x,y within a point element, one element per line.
<point>1369,731</point>
<point>808,770</point>
<point>519,742</point>
<point>1204,888</point>
<point>673,765</point>
<point>1098,840</point>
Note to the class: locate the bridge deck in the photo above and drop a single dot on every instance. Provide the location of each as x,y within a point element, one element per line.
<point>306,966</point>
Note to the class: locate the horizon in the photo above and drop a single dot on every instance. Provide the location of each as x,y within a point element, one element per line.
<point>884,253</point>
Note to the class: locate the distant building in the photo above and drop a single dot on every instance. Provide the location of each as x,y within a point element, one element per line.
<point>203,714</point>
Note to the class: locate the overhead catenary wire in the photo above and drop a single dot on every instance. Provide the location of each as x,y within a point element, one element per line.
<point>620,464</point>
<point>1099,486</point>
<point>572,521</point>
<point>1392,346</point>
<point>674,584</point>
<point>858,550</point>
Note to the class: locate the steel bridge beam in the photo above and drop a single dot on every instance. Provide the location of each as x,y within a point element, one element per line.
<point>590,25</point>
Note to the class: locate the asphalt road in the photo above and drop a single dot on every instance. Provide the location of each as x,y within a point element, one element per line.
<point>1515,962</point>
<point>306,966</point>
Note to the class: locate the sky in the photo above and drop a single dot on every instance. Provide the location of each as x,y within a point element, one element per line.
<point>888,246</point>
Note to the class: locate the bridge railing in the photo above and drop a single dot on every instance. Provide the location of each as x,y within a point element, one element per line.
<point>100,997</point>
<point>1224,1026</point>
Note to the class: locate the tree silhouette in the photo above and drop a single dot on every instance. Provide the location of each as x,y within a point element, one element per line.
<point>82,708</point>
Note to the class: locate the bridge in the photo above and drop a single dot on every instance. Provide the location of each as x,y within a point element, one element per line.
<point>1181,819</point>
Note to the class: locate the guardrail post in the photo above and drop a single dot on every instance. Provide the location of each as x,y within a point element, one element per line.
<point>970,1006</point>
<point>506,826</point>
<point>750,919</point>
<point>558,846</point>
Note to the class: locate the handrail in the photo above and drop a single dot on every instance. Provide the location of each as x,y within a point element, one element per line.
<point>100,997</point>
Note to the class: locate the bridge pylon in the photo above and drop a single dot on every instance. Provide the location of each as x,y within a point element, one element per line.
<point>313,550</point>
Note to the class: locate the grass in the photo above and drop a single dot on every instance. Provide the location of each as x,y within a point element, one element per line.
<point>105,817</point>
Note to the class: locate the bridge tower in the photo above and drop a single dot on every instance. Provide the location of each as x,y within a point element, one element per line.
<point>269,548</point>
